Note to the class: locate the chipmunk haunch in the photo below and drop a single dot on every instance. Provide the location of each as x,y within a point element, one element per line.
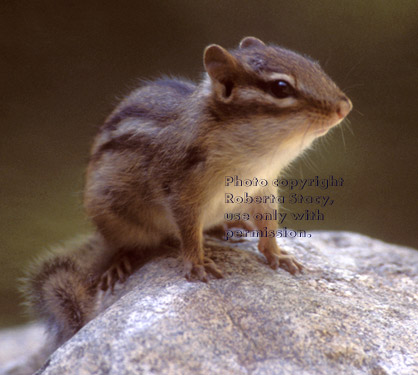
<point>158,164</point>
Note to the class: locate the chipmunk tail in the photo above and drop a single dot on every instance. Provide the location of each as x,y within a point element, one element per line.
<point>61,291</point>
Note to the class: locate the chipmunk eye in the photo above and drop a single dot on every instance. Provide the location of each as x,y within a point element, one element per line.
<point>281,89</point>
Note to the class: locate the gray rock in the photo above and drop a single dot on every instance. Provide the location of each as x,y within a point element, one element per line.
<point>16,346</point>
<point>354,310</point>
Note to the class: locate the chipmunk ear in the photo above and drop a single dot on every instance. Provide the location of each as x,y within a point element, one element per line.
<point>251,41</point>
<point>219,63</point>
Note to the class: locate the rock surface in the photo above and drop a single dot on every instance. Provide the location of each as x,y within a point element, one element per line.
<point>16,344</point>
<point>354,310</point>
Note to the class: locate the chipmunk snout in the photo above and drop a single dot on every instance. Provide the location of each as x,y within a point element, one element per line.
<point>344,107</point>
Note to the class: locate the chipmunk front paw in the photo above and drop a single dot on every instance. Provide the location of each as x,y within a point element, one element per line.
<point>278,258</point>
<point>195,271</point>
<point>287,262</point>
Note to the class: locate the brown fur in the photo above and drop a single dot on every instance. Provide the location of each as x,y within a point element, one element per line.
<point>158,165</point>
<point>62,285</point>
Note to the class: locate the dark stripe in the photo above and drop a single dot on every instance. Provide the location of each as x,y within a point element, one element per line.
<point>125,142</point>
<point>53,266</point>
<point>220,111</point>
<point>266,86</point>
<point>223,112</point>
<point>127,112</point>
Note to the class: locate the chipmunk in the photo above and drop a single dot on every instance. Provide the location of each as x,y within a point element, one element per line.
<point>158,164</point>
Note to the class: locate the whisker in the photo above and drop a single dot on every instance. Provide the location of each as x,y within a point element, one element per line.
<point>352,68</point>
<point>285,209</point>
<point>311,165</point>
<point>348,126</point>
<point>349,88</point>
<point>301,171</point>
<point>343,138</point>
<point>304,135</point>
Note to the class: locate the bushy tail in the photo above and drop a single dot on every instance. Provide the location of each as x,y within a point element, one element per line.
<point>60,287</point>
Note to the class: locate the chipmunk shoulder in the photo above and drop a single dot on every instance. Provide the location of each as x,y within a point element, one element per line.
<point>158,164</point>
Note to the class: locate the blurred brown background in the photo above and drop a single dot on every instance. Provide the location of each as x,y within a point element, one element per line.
<point>64,64</point>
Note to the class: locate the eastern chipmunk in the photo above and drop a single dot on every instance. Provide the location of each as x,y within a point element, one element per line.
<point>158,165</point>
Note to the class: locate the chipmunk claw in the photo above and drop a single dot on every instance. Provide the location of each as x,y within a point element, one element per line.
<point>200,272</point>
<point>197,272</point>
<point>117,272</point>
<point>287,262</point>
<point>212,268</point>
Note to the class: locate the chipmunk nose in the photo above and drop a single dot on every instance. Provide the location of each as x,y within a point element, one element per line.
<point>344,107</point>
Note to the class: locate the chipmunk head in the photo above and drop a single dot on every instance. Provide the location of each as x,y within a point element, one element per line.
<point>269,82</point>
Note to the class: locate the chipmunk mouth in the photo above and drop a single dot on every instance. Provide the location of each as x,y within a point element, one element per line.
<point>337,115</point>
<point>324,127</point>
<point>322,131</point>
